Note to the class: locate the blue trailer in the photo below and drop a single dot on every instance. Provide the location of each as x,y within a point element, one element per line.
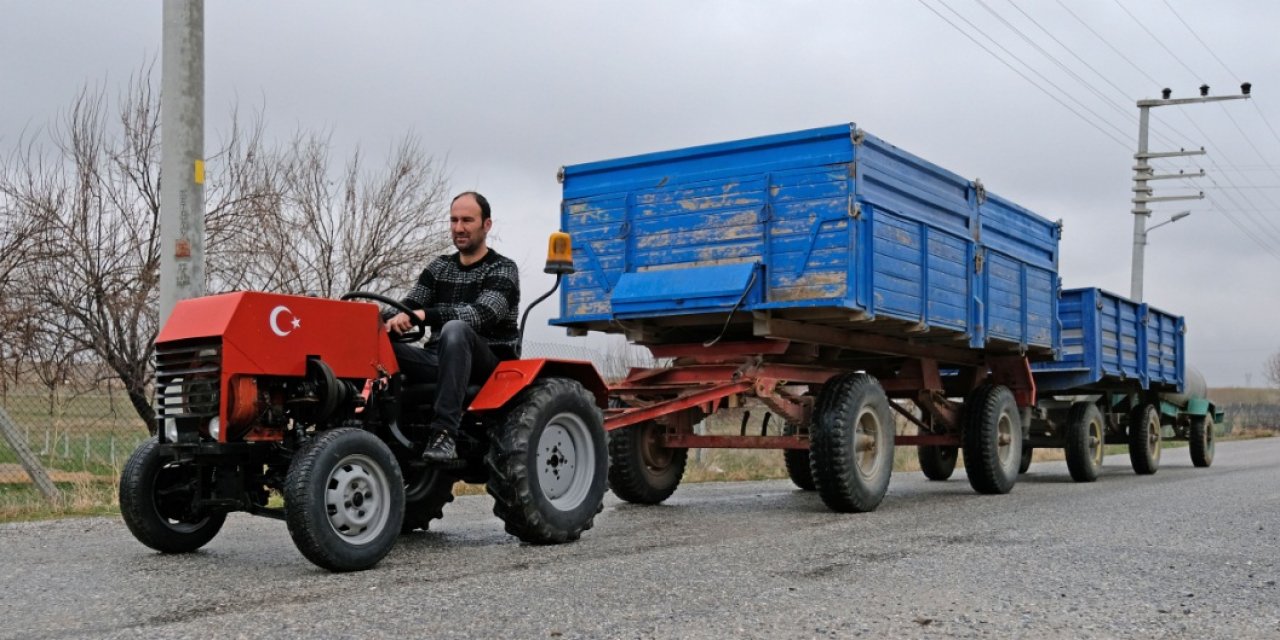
<point>1121,378</point>
<point>821,273</point>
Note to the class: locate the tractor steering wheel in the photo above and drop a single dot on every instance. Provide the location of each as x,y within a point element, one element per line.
<point>413,335</point>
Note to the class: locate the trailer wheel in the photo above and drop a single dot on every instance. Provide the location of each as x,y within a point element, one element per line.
<point>992,439</point>
<point>156,499</point>
<point>426,492</point>
<point>937,463</point>
<point>1144,439</point>
<point>547,463</point>
<point>1086,437</point>
<point>797,462</point>
<point>344,500</point>
<point>1202,439</point>
<point>851,443</point>
<point>641,470</point>
<point>1024,461</point>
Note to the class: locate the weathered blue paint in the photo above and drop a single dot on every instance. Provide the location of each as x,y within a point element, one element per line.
<point>830,217</point>
<point>1110,341</point>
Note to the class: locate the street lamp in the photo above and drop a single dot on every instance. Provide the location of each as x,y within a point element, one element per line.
<point>1172,219</point>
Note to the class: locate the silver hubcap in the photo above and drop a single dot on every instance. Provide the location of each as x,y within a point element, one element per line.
<point>356,499</point>
<point>566,461</point>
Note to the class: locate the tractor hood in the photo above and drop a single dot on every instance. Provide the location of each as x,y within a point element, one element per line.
<point>274,334</point>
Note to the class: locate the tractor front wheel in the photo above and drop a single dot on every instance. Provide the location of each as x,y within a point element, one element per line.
<point>157,499</point>
<point>344,500</point>
<point>547,463</point>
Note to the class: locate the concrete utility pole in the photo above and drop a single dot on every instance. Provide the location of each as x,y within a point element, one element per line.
<point>181,154</point>
<point>1142,174</point>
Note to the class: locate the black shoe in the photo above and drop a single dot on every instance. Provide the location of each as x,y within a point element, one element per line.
<point>440,448</point>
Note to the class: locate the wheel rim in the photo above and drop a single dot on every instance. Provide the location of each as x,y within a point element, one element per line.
<point>1004,442</point>
<point>356,497</point>
<point>1153,439</point>
<point>656,458</point>
<point>566,461</point>
<point>172,496</point>
<point>1096,442</point>
<point>867,444</point>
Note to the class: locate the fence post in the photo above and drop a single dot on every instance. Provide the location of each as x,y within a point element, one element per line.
<point>28,459</point>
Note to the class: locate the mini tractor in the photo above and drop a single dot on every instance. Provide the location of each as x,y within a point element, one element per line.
<point>260,394</point>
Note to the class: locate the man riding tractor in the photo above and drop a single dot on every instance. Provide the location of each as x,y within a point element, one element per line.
<point>261,394</point>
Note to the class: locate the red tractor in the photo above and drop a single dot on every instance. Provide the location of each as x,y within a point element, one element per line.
<point>260,394</point>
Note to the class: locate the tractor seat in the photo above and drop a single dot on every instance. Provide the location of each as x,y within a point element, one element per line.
<point>424,394</point>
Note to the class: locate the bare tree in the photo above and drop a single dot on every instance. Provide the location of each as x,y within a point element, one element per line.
<point>1271,369</point>
<point>368,230</point>
<point>88,191</point>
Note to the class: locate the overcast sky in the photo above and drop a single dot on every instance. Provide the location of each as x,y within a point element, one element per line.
<point>510,91</point>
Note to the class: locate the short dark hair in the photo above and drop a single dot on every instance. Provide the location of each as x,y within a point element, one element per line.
<point>480,200</point>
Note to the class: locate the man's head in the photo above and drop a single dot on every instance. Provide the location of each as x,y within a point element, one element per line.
<point>469,222</point>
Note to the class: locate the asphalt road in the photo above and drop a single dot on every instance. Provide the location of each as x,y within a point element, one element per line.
<point>1187,553</point>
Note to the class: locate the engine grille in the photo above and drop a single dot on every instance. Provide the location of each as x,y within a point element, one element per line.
<point>187,381</point>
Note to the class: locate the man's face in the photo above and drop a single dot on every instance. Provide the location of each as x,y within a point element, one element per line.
<point>465,225</point>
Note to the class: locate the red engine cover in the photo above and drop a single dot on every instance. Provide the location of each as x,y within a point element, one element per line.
<point>273,334</point>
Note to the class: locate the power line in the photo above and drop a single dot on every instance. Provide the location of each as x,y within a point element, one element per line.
<point>1158,41</point>
<point>1124,109</point>
<point>1122,56</point>
<point>1024,76</point>
<point>1200,40</point>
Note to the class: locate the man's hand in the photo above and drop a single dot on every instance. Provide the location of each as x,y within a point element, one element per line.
<point>401,322</point>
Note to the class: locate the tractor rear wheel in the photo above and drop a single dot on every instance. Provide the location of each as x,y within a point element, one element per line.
<point>344,500</point>
<point>1086,437</point>
<point>156,501</point>
<point>992,439</point>
<point>426,492</point>
<point>851,443</point>
<point>641,470</point>
<point>937,463</point>
<point>1144,439</point>
<point>547,463</point>
<point>1202,438</point>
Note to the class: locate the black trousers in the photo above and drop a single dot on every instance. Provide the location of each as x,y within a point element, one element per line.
<point>458,358</point>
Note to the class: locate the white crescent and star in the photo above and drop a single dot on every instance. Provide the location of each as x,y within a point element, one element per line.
<point>275,321</point>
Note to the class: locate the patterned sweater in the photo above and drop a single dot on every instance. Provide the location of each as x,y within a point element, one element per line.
<point>485,295</point>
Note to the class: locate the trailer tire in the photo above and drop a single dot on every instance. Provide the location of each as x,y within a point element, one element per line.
<point>156,510</point>
<point>642,471</point>
<point>1024,461</point>
<point>425,494</point>
<point>937,463</point>
<point>992,439</point>
<point>344,500</point>
<point>547,463</point>
<point>1202,440</point>
<point>1145,436</point>
<point>797,462</point>
<point>851,443</point>
<point>1086,441</point>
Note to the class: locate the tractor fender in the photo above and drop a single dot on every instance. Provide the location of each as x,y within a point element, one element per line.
<point>513,376</point>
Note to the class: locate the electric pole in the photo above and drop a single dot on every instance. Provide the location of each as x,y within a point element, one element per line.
<point>1143,173</point>
<point>181,154</point>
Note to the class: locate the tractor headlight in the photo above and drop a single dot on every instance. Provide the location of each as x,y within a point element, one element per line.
<point>170,430</point>
<point>215,428</point>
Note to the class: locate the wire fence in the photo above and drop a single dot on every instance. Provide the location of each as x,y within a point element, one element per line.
<point>84,432</point>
